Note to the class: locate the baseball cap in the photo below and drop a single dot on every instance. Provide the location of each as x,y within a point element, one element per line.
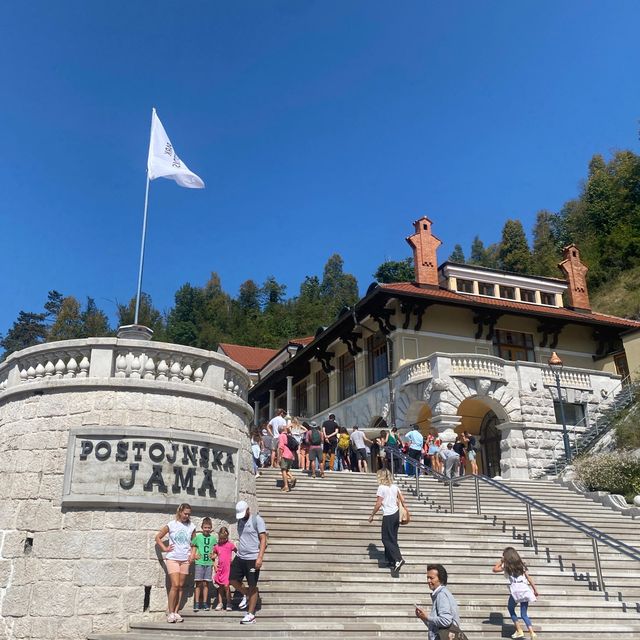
<point>241,509</point>
<point>313,424</point>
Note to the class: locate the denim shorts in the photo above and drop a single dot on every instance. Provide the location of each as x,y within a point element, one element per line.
<point>203,573</point>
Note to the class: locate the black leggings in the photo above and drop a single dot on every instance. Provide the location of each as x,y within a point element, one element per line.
<point>390,526</point>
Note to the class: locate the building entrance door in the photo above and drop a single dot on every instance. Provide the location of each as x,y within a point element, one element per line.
<point>490,444</point>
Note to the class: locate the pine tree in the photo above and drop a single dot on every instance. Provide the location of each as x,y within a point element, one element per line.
<point>514,254</point>
<point>546,253</point>
<point>457,255</point>
<point>478,253</point>
<point>68,323</point>
<point>148,315</point>
<point>29,329</point>
<point>95,323</point>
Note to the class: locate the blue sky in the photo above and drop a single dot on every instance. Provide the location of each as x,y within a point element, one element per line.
<point>318,127</point>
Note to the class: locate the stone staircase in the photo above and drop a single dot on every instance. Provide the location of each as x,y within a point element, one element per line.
<point>558,544</point>
<point>323,574</point>
<point>599,426</point>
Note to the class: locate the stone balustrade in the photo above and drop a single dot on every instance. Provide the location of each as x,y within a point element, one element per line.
<point>415,372</point>
<point>477,366</point>
<point>114,358</point>
<point>572,378</point>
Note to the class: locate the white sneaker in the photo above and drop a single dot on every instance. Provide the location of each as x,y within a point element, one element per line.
<point>171,617</point>
<point>248,619</point>
<point>219,607</point>
<point>178,617</point>
<point>243,603</point>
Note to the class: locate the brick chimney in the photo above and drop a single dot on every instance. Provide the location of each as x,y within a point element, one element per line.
<point>576,274</point>
<point>425,246</point>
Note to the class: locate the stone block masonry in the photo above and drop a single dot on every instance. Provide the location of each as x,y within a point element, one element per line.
<point>67,570</point>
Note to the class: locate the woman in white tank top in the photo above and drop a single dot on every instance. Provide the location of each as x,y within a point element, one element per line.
<point>179,555</point>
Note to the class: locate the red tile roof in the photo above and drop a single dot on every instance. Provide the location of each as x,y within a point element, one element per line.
<point>251,358</point>
<point>303,341</point>
<point>498,303</point>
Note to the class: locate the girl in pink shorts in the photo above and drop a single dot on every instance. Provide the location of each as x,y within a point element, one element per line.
<point>180,555</point>
<point>223,552</point>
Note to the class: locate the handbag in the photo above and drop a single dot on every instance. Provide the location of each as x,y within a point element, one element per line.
<point>452,632</point>
<point>405,516</point>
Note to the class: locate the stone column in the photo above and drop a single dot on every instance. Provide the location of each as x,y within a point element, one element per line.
<point>272,403</point>
<point>256,412</point>
<point>289,397</point>
<point>445,425</point>
<point>514,464</point>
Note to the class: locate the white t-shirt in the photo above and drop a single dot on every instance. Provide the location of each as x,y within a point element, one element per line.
<point>180,537</point>
<point>389,497</point>
<point>277,424</point>
<point>357,437</point>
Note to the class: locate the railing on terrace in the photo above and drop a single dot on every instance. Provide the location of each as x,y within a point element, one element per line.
<point>99,358</point>
<point>593,426</point>
<point>595,535</point>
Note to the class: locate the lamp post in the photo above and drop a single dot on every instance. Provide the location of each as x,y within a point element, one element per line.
<point>555,364</point>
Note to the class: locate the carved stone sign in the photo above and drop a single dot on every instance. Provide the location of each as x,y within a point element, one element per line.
<point>138,468</point>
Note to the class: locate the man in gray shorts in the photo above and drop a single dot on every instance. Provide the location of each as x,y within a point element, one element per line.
<point>315,439</point>
<point>358,440</point>
<point>252,543</point>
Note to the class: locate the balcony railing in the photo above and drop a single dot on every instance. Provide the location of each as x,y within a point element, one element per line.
<point>100,358</point>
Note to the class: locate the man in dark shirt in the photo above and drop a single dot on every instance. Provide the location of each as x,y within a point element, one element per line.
<point>330,429</point>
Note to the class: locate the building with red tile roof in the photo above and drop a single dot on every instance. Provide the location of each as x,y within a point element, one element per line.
<point>463,348</point>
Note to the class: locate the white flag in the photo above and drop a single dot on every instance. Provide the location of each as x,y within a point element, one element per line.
<point>163,160</point>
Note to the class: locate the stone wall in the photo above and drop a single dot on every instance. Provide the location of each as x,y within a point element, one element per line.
<point>67,572</point>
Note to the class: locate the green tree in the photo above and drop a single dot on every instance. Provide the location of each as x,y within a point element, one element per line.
<point>338,289</point>
<point>457,255</point>
<point>182,320</point>
<point>68,323</point>
<point>514,254</point>
<point>272,293</point>
<point>249,297</point>
<point>546,253</point>
<point>28,329</point>
<point>395,271</point>
<point>479,255</point>
<point>95,323</point>
<point>53,304</point>
<point>148,315</point>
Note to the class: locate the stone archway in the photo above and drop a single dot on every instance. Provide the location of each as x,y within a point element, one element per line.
<point>418,412</point>
<point>480,415</point>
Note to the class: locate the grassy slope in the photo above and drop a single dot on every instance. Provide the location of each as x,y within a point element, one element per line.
<point>621,296</point>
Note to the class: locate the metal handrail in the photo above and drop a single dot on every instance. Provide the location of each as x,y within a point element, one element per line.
<point>591,532</point>
<point>585,422</point>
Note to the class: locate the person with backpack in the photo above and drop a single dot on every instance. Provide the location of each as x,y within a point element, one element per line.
<point>342,450</point>
<point>330,430</point>
<point>316,440</point>
<point>522,589</point>
<point>285,442</point>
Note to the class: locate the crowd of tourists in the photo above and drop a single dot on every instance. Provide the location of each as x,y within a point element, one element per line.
<point>316,448</point>
<point>219,563</point>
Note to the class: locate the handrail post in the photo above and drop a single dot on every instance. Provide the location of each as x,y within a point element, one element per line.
<point>478,508</point>
<point>530,523</point>
<point>451,505</point>
<point>417,480</point>
<point>596,557</point>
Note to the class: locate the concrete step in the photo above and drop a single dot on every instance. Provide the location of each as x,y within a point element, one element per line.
<point>322,575</point>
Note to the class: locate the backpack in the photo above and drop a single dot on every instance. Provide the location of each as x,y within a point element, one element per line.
<point>292,443</point>
<point>343,441</point>
<point>315,437</point>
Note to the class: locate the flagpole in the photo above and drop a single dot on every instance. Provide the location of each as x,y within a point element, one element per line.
<point>144,233</point>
